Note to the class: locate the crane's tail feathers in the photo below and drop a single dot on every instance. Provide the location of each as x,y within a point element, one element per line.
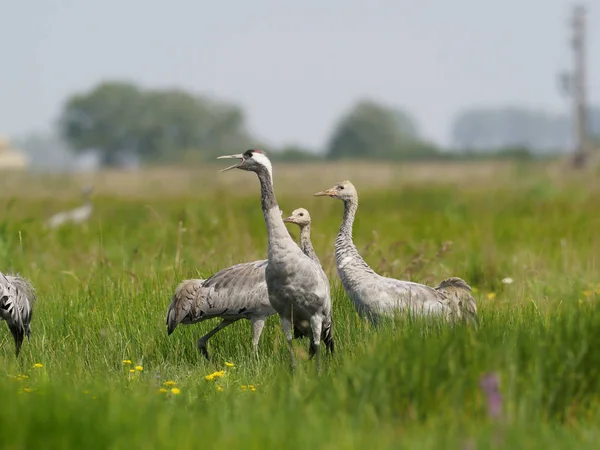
<point>182,303</point>
<point>459,296</point>
<point>326,339</point>
<point>24,286</point>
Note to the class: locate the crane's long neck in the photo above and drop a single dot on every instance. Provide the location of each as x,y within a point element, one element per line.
<point>350,264</point>
<point>306,245</point>
<point>276,229</point>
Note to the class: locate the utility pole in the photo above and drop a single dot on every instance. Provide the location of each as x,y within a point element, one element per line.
<point>579,88</point>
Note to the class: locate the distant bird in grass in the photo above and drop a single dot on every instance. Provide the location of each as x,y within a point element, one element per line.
<point>237,292</point>
<point>17,297</point>
<point>77,215</point>
<point>374,295</point>
<point>297,286</point>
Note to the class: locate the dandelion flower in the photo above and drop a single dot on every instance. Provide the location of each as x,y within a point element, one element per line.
<point>229,364</point>
<point>251,387</point>
<point>491,295</point>
<point>131,371</point>
<point>139,368</point>
<point>175,391</point>
<point>169,383</point>
<point>162,390</point>
<point>127,362</point>
<point>244,387</point>
<point>507,280</point>
<point>212,376</point>
<point>38,366</point>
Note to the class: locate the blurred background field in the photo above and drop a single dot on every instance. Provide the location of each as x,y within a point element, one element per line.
<point>104,287</point>
<point>471,131</point>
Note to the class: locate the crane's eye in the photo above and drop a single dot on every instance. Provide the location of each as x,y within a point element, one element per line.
<point>301,214</point>
<point>341,188</point>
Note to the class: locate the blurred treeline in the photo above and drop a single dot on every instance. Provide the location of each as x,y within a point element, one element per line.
<point>122,122</point>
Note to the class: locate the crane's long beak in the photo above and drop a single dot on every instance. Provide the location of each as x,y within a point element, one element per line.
<point>289,219</point>
<point>240,156</point>
<point>326,193</point>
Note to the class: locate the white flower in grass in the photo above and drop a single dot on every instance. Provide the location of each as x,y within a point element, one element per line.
<point>507,280</point>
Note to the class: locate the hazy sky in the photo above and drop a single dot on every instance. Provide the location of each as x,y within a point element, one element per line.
<point>294,66</point>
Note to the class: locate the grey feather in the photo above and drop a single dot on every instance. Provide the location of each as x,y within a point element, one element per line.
<point>17,297</point>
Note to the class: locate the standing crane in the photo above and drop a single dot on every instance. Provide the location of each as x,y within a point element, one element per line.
<point>237,292</point>
<point>374,295</point>
<point>17,297</point>
<point>297,286</point>
<point>77,215</point>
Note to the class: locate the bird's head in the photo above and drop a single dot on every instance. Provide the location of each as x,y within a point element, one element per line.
<point>252,160</point>
<point>300,217</point>
<point>343,190</point>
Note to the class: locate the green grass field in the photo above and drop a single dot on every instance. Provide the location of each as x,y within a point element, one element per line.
<point>103,290</point>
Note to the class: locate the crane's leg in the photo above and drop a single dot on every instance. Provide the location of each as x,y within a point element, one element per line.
<point>286,324</point>
<point>204,339</point>
<point>316,326</point>
<point>257,327</point>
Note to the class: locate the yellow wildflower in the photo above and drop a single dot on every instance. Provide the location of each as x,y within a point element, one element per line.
<point>27,389</point>
<point>175,391</point>
<point>212,376</point>
<point>229,364</point>
<point>162,390</point>
<point>169,383</point>
<point>244,387</point>
<point>491,295</point>
<point>126,362</point>
<point>131,371</point>
<point>219,388</point>
<point>588,293</point>
<point>139,368</point>
<point>251,387</point>
<point>38,366</point>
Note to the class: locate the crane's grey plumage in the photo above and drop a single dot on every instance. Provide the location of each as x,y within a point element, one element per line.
<point>237,292</point>
<point>301,217</point>
<point>297,286</point>
<point>77,215</point>
<point>17,297</point>
<point>374,295</point>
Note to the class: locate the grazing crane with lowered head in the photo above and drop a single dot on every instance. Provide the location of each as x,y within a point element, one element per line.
<point>297,285</point>
<point>17,297</point>
<point>234,293</point>
<point>374,295</point>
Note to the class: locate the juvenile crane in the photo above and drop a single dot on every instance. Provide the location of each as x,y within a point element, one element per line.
<point>301,217</point>
<point>374,295</point>
<point>17,297</point>
<point>237,292</point>
<point>298,288</point>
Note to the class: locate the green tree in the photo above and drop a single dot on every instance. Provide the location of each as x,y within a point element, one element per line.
<point>104,119</point>
<point>376,131</point>
<point>119,118</point>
